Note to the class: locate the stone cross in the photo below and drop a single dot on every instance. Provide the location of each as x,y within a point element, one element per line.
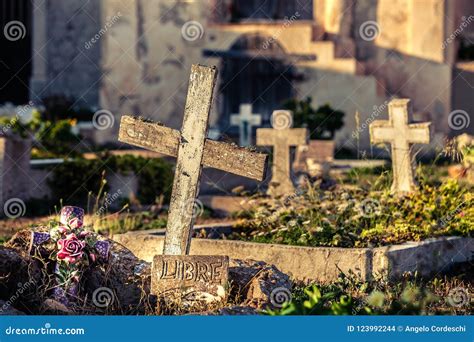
<point>281,137</point>
<point>174,271</point>
<point>245,120</point>
<point>398,131</point>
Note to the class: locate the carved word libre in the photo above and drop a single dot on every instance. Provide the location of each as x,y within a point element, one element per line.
<point>182,270</point>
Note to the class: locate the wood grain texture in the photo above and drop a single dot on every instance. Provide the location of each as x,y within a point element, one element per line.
<point>223,156</point>
<point>189,161</point>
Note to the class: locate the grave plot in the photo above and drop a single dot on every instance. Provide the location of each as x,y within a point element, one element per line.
<point>177,281</point>
<point>358,245</point>
<point>384,229</point>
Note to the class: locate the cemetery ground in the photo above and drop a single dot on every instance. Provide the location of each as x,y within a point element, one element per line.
<point>380,241</point>
<point>358,211</point>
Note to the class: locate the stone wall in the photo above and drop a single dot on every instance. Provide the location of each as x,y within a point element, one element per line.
<point>140,65</point>
<point>62,64</point>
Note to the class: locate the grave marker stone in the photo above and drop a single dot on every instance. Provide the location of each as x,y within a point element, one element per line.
<point>400,134</point>
<point>175,271</point>
<point>281,137</point>
<point>202,278</point>
<point>246,120</point>
<point>315,158</point>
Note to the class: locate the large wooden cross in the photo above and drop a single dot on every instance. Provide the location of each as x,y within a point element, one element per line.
<point>281,137</point>
<point>245,120</point>
<point>398,131</point>
<point>192,150</point>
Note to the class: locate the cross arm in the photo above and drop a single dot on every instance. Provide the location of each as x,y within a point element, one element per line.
<point>218,155</point>
<point>420,133</point>
<point>381,131</point>
<point>293,136</point>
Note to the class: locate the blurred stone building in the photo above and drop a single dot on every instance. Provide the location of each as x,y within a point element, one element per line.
<point>134,56</point>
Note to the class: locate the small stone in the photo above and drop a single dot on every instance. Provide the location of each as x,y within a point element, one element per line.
<point>252,282</point>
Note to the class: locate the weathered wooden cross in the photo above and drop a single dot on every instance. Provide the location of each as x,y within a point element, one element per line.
<point>245,120</point>
<point>192,150</point>
<point>281,137</point>
<point>400,134</point>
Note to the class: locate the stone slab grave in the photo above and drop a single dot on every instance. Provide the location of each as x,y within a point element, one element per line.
<point>281,137</point>
<point>324,264</point>
<point>400,134</point>
<point>178,275</point>
<point>246,120</point>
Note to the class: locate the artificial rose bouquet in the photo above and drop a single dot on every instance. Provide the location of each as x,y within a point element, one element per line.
<point>72,248</point>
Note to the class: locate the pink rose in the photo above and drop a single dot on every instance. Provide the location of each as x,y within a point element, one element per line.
<point>70,248</point>
<point>75,223</point>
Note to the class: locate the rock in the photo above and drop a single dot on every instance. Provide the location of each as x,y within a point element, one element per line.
<point>21,276</point>
<point>7,310</point>
<point>20,241</point>
<point>237,311</point>
<point>126,276</point>
<point>53,307</point>
<point>231,310</point>
<point>257,284</point>
<point>122,284</point>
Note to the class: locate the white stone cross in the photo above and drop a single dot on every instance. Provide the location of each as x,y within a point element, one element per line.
<point>245,120</point>
<point>192,150</point>
<point>401,134</point>
<point>281,137</point>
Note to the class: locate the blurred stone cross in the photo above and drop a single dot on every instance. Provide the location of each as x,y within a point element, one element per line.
<point>400,134</point>
<point>281,137</point>
<point>246,120</point>
<point>175,270</point>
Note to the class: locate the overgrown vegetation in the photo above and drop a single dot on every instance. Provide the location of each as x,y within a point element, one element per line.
<point>447,294</point>
<point>51,139</point>
<point>75,180</point>
<point>322,122</point>
<point>363,216</point>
